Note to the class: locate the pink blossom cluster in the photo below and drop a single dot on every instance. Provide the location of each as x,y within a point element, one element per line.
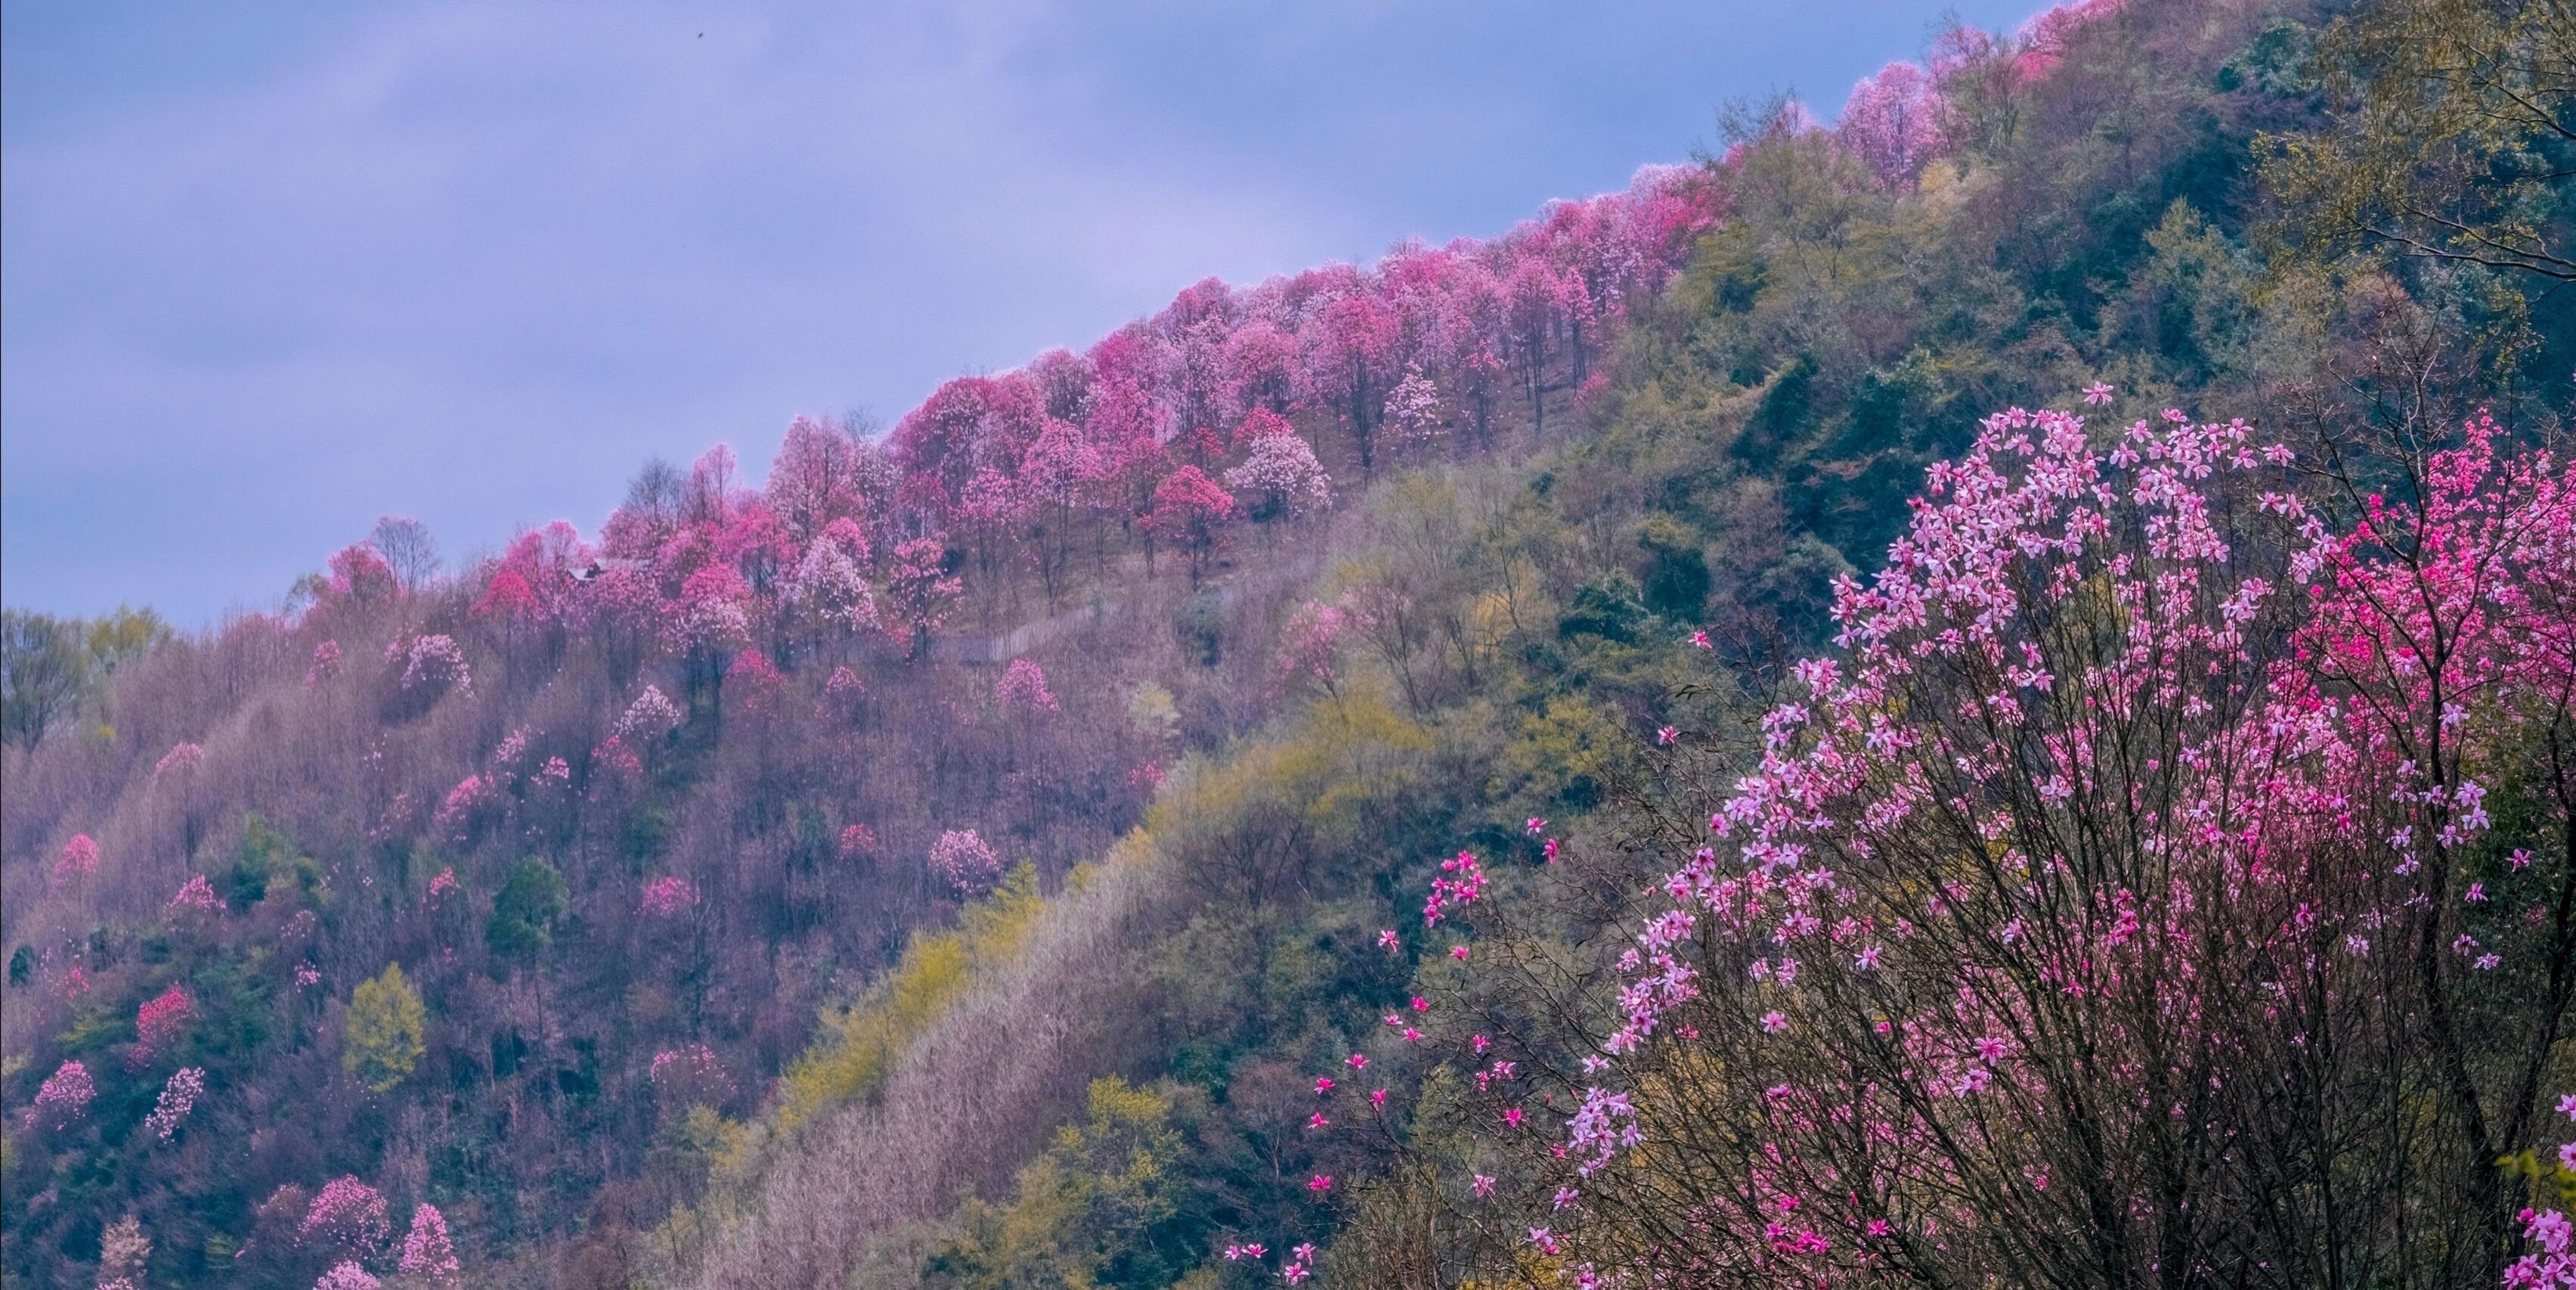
<point>347,1217</point>
<point>857,842</point>
<point>78,859</point>
<point>1023,689</point>
<point>962,859</point>
<point>63,1097</point>
<point>162,1019</point>
<point>196,895</point>
<point>435,664</point>
<point>326,663</point>
<point>668,897</point>
<point>178,1097</point>
<point>427,1252</point>
<point>182,758</point>
<point>690,1075</point>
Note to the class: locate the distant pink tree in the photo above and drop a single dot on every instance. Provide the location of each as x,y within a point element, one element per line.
<point>427,1253</point>
<point>1310,646</point>
<point>1022,690</point>
<point>161,1020</point>
<point>347,1275</point>
<point>668,897</point>
<point>359,575</point>
<point>434,665</point>
<point>817,478</point>
<point>1413,408</point>
<point>1281,475</point>
<point>77,860</point>
<point>182,758</point>
<point>962,859</point>
<point>858,842</point>
<point>326,663</point>
<point>919,589</point>
<point>63,1097</point>
<point>1057,469</point>
<point>828,590</point>
<point>691,1075</point>
<point>1350,349</point>
<point>1892,122</point>
<point>178,1097</point>
<point>196,895</point>
<point>1190,512</point>
<point>651,716</point>
<point>347,1218</point>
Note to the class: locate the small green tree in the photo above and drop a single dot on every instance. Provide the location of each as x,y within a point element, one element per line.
<point>524,914</point>
<point>384,1038</point>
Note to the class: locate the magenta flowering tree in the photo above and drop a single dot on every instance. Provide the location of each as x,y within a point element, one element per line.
<point>690,1075</point>
<point>669,897</point>
<point>920,591</point>
<point>77,860</point>
<point>1893,123</point>
<point>162,1021</point>
<point>1022,689</point>
<point>2139,846</point>
<point>1190,512</point>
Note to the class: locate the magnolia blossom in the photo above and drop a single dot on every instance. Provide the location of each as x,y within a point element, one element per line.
<point>1023,688</point>
<point>78,859</point>
<point>346,1217</point>
<point>427,1253</point>
<point>182,758</point>
<point>63,1097</point>
<point>969,866</point>
<point>178,1097</point>
<point>651,715</point>
<point>163,1019</point>
<point>197,895</point>
<point>669,897</point>
<point>347,1275</point>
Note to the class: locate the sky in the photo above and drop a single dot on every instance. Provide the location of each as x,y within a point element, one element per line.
<point>271,269</point>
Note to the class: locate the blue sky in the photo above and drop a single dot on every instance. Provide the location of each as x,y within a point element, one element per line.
<point>272,269</point>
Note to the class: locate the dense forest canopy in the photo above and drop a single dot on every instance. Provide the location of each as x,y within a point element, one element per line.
<point>1977,694</point>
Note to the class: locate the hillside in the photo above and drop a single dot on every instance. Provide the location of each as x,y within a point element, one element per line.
<point>967,857</point>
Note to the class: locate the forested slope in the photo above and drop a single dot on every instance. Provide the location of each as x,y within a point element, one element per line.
<point>680,903</point>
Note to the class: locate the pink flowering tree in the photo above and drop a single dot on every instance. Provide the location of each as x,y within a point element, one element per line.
<point>347,1219</point>
<point>1190,513</point>
<point>690,1075</point>
<point>2140,844</point>
<point>1281,475</point>
<point>1022,691</point>
<point>77,860</point>
<point>668,897</point>
<point>919,590</point>
<point>427,1254</point>
<point>63,1097</point>
<point>1893,123</point>
<point>962,860</point>
<point>178,1098</point>
<point>162,1021</point>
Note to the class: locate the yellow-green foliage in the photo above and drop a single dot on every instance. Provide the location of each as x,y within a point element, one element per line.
<point>1104,1191</point>
<point>1565,752</point>
<point>860,1041</point>
<point>384,1038</point>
